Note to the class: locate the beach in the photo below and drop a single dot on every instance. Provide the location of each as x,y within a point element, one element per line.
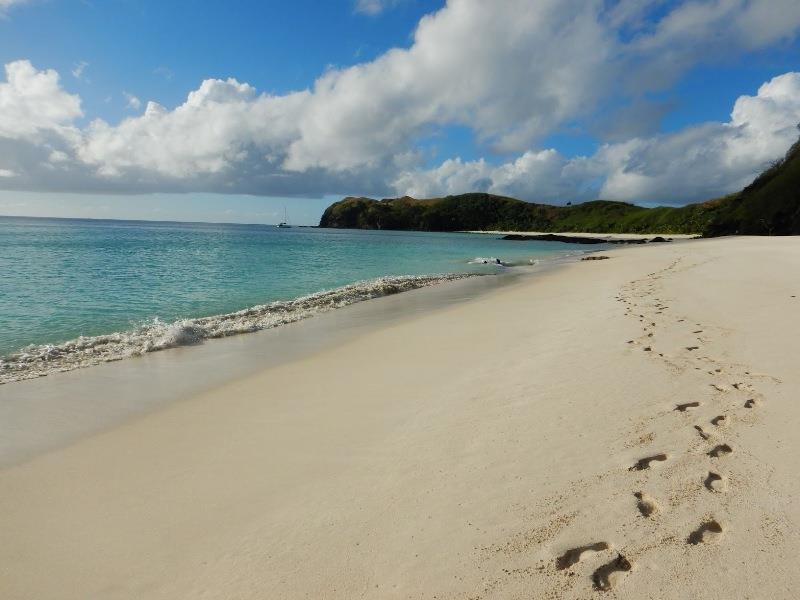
<point>623,427</point>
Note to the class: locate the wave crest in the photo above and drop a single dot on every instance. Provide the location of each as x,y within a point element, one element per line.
<point>40,360</point>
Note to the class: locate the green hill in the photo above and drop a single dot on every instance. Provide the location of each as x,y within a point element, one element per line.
<point>768,206</point>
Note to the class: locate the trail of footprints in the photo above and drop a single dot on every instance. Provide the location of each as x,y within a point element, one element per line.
<point>604,577</point>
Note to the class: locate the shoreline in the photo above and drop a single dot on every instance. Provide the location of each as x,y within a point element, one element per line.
<point>465,451</point>
<point>42,414</point>
<point>41,360</point>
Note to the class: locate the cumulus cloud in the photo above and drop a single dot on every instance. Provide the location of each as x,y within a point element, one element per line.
<point>502,70</point>
<point>709,159</point>
<point>32,104</point>
<point>512,72</point>
<point>221,124</point>
<point>545,175</point>
<point>515,71</point>
<point>698,162</point>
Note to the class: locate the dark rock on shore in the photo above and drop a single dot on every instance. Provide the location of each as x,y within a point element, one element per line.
<point>551,237</point>
<point>576,239</point>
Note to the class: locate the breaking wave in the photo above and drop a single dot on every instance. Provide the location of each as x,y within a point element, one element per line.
<point>40,360</point>
<point>486,260</point>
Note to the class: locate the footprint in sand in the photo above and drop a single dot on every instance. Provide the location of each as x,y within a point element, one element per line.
<point>684,407</point>
<point>646,505</point>
<point>713,482</point>
<point>702,433</point>
<point>698,536</point>
<point>750,403</point>
<point>717,421</point>
<point>719,450</point>
<point>573,555</point>
<point>602,576</point>
<point>644,463</point>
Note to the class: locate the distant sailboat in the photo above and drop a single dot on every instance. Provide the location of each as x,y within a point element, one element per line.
<point>285,223</point>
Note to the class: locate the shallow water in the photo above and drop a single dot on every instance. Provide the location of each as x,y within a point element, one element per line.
<point>75,292</point>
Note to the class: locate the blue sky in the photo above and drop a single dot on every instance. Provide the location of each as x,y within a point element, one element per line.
<point>536,98</point>
<point>161,50</point>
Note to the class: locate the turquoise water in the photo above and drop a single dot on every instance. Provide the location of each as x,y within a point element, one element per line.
<point>64,278</point>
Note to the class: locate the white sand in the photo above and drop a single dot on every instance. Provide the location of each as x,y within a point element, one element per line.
<point>460,453</point>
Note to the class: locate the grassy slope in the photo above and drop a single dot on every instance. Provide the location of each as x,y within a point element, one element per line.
<point>768,206</point>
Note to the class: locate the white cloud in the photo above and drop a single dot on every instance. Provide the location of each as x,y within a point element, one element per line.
<point>698,162</point>
<point>32,104</point>
<point>221,124</point>
<point>79,68</point>
<point>512,72</point>
<point>7,173</point>
<point>131,101</point>
<point>710,159</point>
<point>545,176</point>
<point>488,66</point>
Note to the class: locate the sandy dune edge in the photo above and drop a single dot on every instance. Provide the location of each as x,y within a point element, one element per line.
<point>541,441</point>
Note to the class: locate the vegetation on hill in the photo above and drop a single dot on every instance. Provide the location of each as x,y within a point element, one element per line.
<point>768,206</point>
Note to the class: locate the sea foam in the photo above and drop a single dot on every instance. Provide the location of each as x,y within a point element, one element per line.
<point>40,360</point>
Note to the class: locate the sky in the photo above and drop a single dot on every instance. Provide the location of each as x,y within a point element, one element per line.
<point>234,111</point>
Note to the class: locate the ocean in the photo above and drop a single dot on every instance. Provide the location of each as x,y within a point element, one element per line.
<point>75,292</point>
